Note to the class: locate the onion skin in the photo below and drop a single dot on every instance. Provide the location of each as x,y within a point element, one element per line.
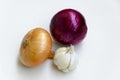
<point>68,27</point>
<point>36,47</point>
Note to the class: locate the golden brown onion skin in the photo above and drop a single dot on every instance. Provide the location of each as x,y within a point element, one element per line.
<point>36,47</point>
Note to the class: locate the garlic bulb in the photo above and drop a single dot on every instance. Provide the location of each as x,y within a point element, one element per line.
<point>66,59</point>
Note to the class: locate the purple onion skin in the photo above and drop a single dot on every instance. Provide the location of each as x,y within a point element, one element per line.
<point>68,27</point>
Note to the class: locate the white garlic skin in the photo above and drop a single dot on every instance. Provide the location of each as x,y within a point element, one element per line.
<point>66,59</point>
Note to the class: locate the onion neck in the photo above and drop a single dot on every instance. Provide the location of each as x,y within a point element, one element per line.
<point>51,55</point>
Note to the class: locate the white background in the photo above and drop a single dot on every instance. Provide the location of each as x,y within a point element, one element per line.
<point>99,53</point>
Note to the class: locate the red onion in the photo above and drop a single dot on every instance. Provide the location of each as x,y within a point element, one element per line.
<point>68,27</point>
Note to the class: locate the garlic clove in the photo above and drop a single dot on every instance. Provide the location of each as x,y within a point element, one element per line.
<point>61,59</point>
<point>74,59</point>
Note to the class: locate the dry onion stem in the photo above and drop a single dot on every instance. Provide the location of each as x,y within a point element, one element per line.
<point>36,47</point>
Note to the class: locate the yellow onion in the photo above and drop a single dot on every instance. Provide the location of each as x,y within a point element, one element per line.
<point>36,47</point>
